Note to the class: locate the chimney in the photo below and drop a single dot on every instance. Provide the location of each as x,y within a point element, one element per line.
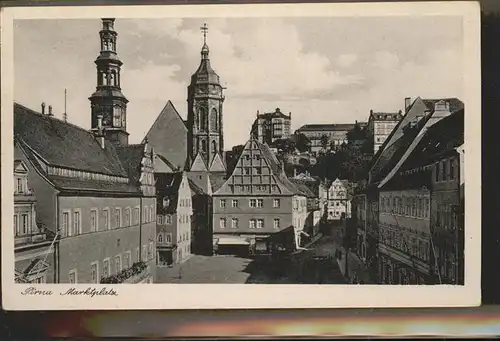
<point>43,108</point>
<point>257,113</point>
<point>407,104</point>
<point>50,111</point>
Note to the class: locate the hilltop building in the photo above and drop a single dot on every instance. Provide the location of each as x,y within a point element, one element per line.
<point>271,126</point>
<point>327,136</point>
<point>380,126</point>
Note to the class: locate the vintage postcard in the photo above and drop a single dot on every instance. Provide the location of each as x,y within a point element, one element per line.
<point>241,156</point>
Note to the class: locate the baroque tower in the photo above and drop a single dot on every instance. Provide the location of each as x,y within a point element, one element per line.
<point>108,104</point>
<point>204,120</point>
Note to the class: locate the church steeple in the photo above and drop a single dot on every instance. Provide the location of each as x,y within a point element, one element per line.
<point>108,100</point>
<point>205,99</point>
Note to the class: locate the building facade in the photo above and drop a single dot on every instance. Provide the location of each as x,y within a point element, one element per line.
<point>173,221</point>
<point>98,191</point>
<point>337,199</point>
<point>272,126</point>
<point>380,126</point>
<point>327,136</point>
<point>256,201</point>
<point>35,247</point>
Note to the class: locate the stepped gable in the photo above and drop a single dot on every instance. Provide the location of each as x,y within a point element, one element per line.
<point>168,136</point>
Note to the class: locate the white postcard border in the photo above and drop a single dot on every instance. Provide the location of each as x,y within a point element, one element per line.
<point>221,296</point>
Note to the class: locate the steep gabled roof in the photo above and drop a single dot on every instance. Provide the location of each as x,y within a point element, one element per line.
<point>268,159</point>
<point>304,188</point>
<point>198,164</point>
<point>167,187</point>
<point>168,136</point>
<point>217,164</point>
<point>63,144</point>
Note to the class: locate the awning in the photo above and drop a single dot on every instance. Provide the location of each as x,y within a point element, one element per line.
<point>232,241</point>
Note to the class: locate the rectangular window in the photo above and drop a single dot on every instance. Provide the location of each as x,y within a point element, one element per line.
<point>127,217</point>
<point>252,223</point>
<point>438,171</point>
<point>107,225</point>
<point>252,203</point>
<point>258,171</point>
<point>260,203</point>
<point>105,268</point>
<point>118,217</point>
<point>276,223</point>
<point>168,219</point>
<point>222,203</point>
<point>445,171</point>
<point>24,224</point>
<point>234,203</point>
<point>234,223</point>
<point>168,238</point>
<point>260,223</point>
<point>93,220</point>
<point>137,213</point>
<point>94,272</point>
<point>222,223</point>
<point>73,278</point>
<point>126,260</point>
<point>160,220</point>
<point>16,226</point>
<point>144,214</point>
<point>118,264</point>
<point>76,223</point>
<point>276,203</point>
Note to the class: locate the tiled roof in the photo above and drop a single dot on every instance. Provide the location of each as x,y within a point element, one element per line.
<point>69,184</point>
<point>131,157</point>
<point>195,189</point>
<point>304,187</point>
<point>64,144</point>
<point>217,180</point>
<point>168,136</point>
<point>329,127</point>
<point>444,136</point>
<point>167,186</point>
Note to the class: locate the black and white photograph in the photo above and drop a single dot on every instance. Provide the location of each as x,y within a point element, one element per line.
<point>237,147</point>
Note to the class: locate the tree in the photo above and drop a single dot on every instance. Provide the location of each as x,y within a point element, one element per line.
<point>286,146</point>
<point>324,141</point>
<point>302,143</point>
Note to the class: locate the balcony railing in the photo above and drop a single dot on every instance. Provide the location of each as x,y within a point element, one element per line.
<point>134,274</point>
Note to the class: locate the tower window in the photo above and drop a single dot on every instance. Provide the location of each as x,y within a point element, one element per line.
<point>203,146</point>
<point>203,118</point>
<point>214,120</point>
<point>214,147</point>
<point>117,116</point>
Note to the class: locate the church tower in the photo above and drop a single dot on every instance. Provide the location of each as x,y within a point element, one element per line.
<point>204,120</point>
<point>108,104</point>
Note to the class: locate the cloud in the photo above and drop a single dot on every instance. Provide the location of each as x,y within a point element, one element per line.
<point>323,70</point>
<point>346,60</point>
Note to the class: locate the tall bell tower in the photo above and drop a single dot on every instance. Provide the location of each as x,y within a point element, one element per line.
<point>108,101</point>
<point>205,99</point>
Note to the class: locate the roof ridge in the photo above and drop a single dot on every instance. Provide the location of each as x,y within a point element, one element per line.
<point>169,102</point>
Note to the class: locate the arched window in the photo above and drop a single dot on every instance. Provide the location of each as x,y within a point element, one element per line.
<point>112,80</point>
<point>160,238</point>
<point>214,147</point>
<point>202,113</point>
<point>203,146</point>
<point>214,120</point>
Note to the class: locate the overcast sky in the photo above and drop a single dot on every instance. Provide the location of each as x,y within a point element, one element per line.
<point>323,70</point>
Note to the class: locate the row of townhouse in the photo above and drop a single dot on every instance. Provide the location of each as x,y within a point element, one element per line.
<point>409,214</point>
<point>84,208</point>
